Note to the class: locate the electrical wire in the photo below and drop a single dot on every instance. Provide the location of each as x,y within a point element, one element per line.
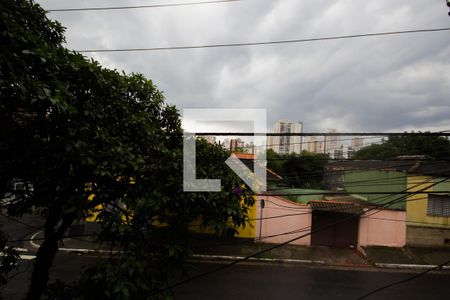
<point>344,209</point>
<point>20,222</point>
<point>75,237</point>
<point>269,201</point>
<point>349,193</point>
<point>296,238</point>
<point>402,198</point>
<point>338,37</point>
<point>222,267</point>
<point>356,134</point>
<point>257,219</point>
<point>404,280</point>
<point>137,6</point>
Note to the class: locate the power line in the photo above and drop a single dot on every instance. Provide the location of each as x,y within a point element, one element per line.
<point>332,134</point>
<point>348,193</point>
<point>306,228</point>
<point>345,185</point>
<point>39,228</point>
<point>376,201</point>
<point>404,280</point>
<point>138,6</point>
<point>343,210</point>
<point>263,218</point>
<point>296,231</point>
<point>20,222</point>
<point>282,244</point>
<point>338,37</point>
<point>75,237</point>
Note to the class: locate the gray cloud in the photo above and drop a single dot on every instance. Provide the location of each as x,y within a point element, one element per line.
<point>374,84</point>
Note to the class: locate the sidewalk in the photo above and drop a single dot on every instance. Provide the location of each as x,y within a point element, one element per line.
<point>287,253</point>
<point>213,248</point>
<point>407,257</point>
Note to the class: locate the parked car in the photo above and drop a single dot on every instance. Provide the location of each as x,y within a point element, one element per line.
<point>16,188</point>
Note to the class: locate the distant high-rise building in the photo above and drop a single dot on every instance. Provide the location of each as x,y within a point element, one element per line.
<point>332,143</point>
<point>350,152</point>
<point>357,143</point>
<point>210,139</point>
<point>249,148</point>
<point>314,145</point>
<point>226,143</point>
<point>236,144</point>
<point>345,152</point>
<point>286,144</point>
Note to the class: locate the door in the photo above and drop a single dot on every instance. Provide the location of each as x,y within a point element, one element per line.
<point>334,229</point>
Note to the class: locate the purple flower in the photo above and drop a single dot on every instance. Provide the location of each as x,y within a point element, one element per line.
<point>237,191</point>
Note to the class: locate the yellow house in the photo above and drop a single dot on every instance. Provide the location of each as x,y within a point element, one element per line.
<point>428,213</point>
<point>245,231</point>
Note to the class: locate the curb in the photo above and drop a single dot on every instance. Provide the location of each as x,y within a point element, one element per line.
<point>259,259</point>
<point>98,251</point>
<point>79,250</point>
<point>255,259</point>
<point>409,266</point>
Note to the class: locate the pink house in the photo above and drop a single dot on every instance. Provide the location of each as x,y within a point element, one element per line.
<point>330,223</point>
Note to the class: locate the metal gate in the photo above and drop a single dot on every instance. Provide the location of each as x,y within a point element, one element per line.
<point>341,229</point>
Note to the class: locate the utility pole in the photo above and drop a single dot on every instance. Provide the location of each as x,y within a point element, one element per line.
<point>301,137</point>
<point>262,204</point>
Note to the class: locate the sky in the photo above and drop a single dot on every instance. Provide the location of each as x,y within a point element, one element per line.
<point>390,83</point>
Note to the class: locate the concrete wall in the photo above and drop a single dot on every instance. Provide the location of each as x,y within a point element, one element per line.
<point>382,228</point>
<point>275,229</point>
<point>427,236</point>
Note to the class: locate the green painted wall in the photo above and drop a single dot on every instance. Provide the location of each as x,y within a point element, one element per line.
<point>300,195</point>
<point>360,182</point>
<point>441,186</point>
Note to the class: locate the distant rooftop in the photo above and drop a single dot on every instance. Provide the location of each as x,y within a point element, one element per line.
<point>414,164</point>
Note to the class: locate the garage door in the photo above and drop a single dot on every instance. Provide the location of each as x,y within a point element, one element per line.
<point>341,229</point>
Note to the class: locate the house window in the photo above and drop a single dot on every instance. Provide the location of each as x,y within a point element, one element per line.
<point>438,205</point>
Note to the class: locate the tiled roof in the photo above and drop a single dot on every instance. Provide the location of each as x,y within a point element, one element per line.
<point>413,166</point>
<point>241,155</point>
<point>336,206</point>
<point>248,160</point>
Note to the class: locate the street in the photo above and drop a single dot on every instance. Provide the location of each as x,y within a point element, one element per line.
<point>248,280</point>
<point>268,281</point>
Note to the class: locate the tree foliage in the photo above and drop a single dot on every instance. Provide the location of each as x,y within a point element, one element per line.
<point>8,259</point>
<point>274,161</point>
<point>408,144</point>
<point>75,130</point>
<point>305,169</point>
<point>299,170</point>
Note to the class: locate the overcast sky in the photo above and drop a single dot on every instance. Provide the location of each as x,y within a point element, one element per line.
<point>387,83</point>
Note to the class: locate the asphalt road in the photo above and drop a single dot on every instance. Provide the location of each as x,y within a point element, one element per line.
<point>66,267</point>
<point>257,281</point>
<point>20,228</point>
<point>253,280</point>
<point>266,281</point>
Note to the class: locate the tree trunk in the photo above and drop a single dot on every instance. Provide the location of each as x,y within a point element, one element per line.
<point>45,256</point>
<point>40,275</point>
